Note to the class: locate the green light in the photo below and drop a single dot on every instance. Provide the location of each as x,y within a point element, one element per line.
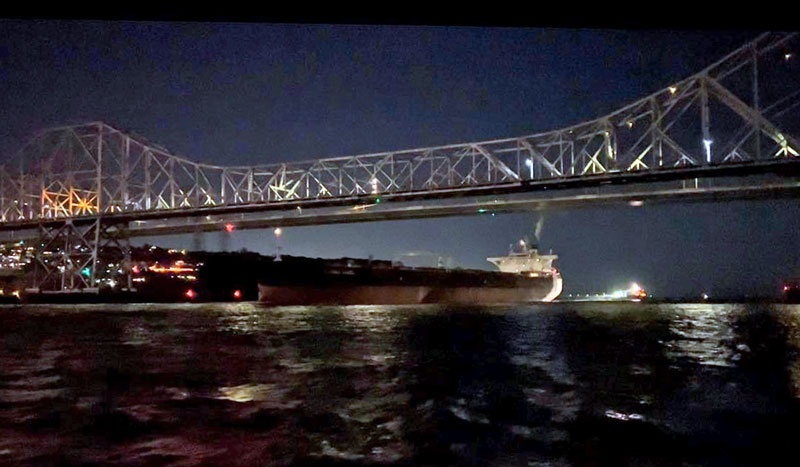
<point>86,272</point>
<point>377,201</point>
<point>481,210</point>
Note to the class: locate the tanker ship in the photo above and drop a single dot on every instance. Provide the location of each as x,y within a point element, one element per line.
<point>524,275</point>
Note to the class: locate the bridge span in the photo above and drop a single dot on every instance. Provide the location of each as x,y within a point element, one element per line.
<point>727,132</point>
<point>778,179</point>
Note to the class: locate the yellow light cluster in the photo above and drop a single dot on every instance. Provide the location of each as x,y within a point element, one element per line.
<point>71,202</point>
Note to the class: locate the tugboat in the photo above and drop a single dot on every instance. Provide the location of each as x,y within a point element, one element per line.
<point>636,293</point>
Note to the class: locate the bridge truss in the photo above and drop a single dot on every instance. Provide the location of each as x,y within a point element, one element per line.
<point>75,180</point>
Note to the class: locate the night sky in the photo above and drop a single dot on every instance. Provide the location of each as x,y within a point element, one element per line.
<point>257,93</point>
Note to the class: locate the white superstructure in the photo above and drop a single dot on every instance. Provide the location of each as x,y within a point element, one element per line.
<point>528,260</point>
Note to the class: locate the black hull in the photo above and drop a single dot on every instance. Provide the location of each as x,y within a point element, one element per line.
<point>288,285</point>
<point>396,295</point>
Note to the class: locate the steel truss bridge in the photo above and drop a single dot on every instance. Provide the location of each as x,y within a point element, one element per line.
<point>729,131</point>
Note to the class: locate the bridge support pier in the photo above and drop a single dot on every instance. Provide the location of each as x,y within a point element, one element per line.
<point>72,255</point>
<point>198,239</point>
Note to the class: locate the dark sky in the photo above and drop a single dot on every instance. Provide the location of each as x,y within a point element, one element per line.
<point>256,93</point>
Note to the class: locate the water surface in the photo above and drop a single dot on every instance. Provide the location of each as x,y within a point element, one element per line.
<point>551,384</point>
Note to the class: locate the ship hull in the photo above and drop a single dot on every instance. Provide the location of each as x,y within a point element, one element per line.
<point>543,289</point>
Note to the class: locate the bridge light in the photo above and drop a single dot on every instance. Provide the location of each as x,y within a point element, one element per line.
<point>237,294</point>
<point>278,232</point>
<point>190,294</point>
<point>86,272</point>
<point>629,123</point>
<point>787,56</point>
<point>229,227</point>
<point>707,144</point>
<point>481,210</point>
<point>673,89</point>
<point>636,202</point>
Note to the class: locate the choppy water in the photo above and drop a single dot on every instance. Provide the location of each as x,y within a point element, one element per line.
<point>557,384</point>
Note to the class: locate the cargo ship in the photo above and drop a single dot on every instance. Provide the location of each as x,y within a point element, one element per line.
<point>523,276</point>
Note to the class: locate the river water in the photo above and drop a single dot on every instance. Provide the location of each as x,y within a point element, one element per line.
<point>553,384</point>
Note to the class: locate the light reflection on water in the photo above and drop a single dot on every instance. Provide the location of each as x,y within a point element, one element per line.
<point>244,384</point>
<point>704,331</point>
<point>789,317</point>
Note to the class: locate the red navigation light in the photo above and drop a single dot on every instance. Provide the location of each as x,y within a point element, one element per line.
<point>190,294</point>
<point>135,269</point>
<point>237,294</point>
<point>229,227</point>
<point>785,288</point>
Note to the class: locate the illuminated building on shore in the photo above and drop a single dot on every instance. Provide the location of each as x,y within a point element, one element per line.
<point>16,256</point>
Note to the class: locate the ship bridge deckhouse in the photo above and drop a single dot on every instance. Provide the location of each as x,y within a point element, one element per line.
<point>526,261</point>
